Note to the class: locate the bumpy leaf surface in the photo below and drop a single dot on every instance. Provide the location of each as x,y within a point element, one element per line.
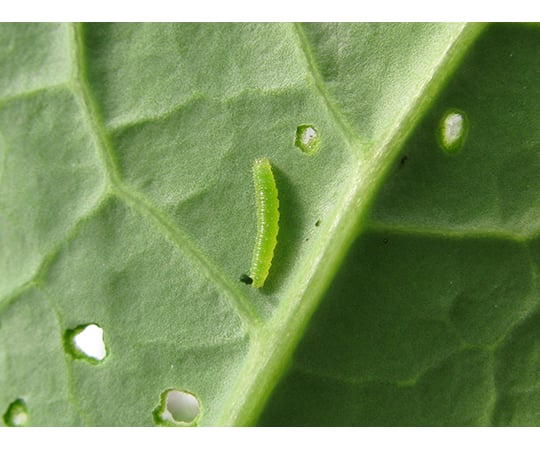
<point>403,290</point>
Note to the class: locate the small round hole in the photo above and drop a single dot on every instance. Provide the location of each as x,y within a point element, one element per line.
<point>177,408</point>
<point>452,131</point>
<point>17,414</point>
<point>307,139</point>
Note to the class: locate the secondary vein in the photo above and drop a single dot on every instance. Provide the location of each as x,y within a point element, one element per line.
<point>350,136</point>
<point>238,301</point>
<point>138,202</point>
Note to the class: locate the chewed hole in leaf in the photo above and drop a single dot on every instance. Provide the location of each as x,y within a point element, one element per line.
<point>16,414</point>
<point>177,408</point>
<point>307,139</point>
<point>86,342</point>
<point>453,131</point>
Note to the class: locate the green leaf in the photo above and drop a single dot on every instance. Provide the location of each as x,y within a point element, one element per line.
<point>433,318</point>
<point>126,201</point>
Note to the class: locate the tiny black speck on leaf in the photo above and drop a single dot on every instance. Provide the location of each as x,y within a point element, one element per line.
<point>246,279</point>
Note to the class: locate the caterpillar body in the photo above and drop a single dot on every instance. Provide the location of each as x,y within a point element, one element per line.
<point>266,196</point>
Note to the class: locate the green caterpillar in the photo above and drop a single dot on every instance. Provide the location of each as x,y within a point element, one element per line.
<point>266,196</point>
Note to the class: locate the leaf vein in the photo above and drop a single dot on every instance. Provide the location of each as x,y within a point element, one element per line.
<point>180,239</point>
<point>342,124</point>
<point>236,298</point>
<point>89,108</point>
<point>49,258</point>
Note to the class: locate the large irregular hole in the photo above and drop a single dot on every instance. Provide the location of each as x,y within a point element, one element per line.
<point>453,131</point>
<point>86,342</point>
<point>307,139</point>
<point>16,414</point>
<point>177,408</point>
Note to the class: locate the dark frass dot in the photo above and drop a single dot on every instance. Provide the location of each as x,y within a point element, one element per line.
<point>318,223</point>
<point>246,279</point>
<point>403,160</point>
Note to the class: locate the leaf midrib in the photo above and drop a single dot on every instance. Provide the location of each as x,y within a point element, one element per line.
<point>274,342</point>
<point>269,356</point>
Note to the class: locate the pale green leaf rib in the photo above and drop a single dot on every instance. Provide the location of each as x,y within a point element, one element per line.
<point>51,256</point>
<point>27,94</point>
<point>88,105</point>
<point>239,301</point>
<point>449,238</point>
<point>471,233</point>
<point>135,200</point>
<point>269,357</point>
<point>273,329</point>
<point>67,363</point>
<point>350,135</point>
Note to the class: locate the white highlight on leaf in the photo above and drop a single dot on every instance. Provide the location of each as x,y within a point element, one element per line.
<point>90,342</point>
